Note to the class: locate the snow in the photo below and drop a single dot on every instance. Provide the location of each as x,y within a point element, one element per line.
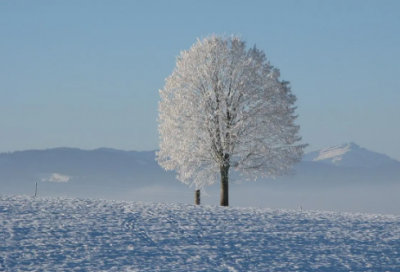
<point>333,152</point>
<point>349,155</point>
<point>224,111</point>
<point>55,177</point>
<point>65,234</point>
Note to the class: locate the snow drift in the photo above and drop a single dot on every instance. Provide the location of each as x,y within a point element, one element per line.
<point>65,234</point>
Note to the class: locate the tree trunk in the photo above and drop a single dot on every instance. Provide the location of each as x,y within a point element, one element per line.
<point>224,185</point>
<point>197,197</point>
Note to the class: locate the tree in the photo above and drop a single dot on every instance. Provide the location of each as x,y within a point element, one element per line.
<point>224,109</point>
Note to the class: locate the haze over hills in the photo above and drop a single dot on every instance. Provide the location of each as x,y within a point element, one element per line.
<point>105,165</point>
<point>329,178</point>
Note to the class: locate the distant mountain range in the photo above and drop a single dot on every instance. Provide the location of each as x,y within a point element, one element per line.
<point>71,164</point>
<point>118,174</point>
<point>139,168</point>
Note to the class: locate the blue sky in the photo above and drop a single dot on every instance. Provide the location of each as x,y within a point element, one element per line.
<point>86,74</point>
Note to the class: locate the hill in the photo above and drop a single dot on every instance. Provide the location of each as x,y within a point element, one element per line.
<point>105,173</point>
<point>65,234</point>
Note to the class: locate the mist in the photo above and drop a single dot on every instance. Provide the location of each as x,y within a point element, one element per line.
<point>363,198</point>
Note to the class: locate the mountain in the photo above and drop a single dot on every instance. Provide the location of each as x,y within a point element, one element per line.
<point>344,178</point>
<point>350,155</point>
<point>72,164</point>
<point>103,172</point>
<point>346,163</point>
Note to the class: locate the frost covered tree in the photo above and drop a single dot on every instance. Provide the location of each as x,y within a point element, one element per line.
<point>225,109</point>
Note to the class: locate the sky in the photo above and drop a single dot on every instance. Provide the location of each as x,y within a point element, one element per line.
<point>86,74</point>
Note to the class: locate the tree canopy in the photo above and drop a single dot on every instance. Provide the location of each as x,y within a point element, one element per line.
<point>225,109</point>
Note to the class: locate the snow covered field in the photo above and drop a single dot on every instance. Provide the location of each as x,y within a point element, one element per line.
<point>65,234</point>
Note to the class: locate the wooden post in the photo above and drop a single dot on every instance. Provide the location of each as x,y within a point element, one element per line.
<point>197,197</point>
<point>36,190</point>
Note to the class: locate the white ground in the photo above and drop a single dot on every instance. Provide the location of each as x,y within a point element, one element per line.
<point>63,234</point>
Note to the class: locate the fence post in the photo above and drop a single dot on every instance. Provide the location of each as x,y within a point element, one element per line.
<point>197,197</point>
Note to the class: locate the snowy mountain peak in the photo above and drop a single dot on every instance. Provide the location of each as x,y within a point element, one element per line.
<point>336,152</point>
<point>349,155</point>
